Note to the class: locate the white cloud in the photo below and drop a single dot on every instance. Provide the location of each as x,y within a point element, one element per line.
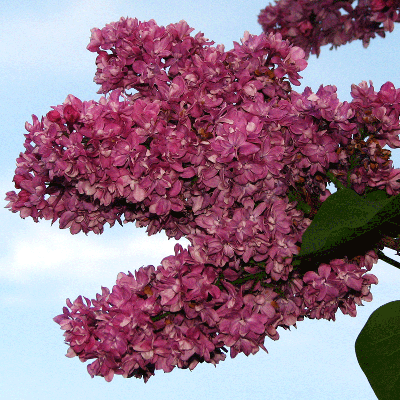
<point>42,250</point>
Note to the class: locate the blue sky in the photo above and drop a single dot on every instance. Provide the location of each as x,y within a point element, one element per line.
<point>43,58</point>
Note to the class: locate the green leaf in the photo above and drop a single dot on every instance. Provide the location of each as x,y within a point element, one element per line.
<point>293,195</point>
<point>348,224</point>
<point>378,351</point>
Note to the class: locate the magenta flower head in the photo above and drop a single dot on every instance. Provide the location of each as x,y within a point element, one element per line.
<point>210,147</point>
<point>311,24</point>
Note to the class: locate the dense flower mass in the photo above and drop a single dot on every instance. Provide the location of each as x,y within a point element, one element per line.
<point>180,314</point>
<point>211,147</point>
<point>311,24</point>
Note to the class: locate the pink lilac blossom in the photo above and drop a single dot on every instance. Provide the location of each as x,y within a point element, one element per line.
<point>207,149</point>
<point>311,24</point>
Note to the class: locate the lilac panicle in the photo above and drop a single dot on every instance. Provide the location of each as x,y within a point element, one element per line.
<point>207,148</point>
<point>311,24</point>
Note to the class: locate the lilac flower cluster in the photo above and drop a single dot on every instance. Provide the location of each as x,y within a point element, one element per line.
<point>311,24</point>
<point>181,314</point>
<point>208,148</point>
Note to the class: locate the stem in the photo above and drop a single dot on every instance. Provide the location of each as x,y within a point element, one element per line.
<point>391,243</point>
<point>388,259</point>
<point>258,276</point>
<point>339,185</point>
<point>161,316</point>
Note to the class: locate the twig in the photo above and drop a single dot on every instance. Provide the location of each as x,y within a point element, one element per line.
<point>388,259</point>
